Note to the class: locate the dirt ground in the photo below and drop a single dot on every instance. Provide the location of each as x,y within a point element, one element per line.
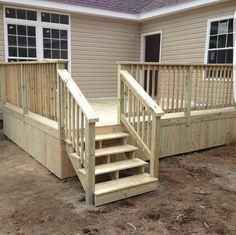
<point>196,195</point>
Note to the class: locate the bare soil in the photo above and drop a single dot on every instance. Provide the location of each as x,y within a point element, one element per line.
<point>196,195</point>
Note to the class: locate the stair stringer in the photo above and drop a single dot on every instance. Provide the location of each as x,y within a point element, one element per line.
<point>136,141</point>
<point>76,165</point>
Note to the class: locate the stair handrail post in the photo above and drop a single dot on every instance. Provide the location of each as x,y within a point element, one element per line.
<point>3,83</point>
<point>188,93</point>
<point>155,146</point>
<point>60,104</point>
<point>120,95</point>
<point>90,161</point>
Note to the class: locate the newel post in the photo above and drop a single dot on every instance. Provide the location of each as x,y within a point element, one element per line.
<point>3,83</point>
<point>60,103</point>
<point>155,147</point>
<point>120,100</point>
<point>90,161</point>
<point>188,93</point>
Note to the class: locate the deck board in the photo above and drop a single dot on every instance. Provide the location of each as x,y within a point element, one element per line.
<point>106,110</point>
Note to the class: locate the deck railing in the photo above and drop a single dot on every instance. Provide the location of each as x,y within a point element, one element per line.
<point>77,124</point>
<point>31,86</point>
<point>140,115</point>
<point>184,88</point>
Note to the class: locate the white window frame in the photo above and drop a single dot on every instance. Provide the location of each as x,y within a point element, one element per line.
<point>209,21</point>
<point>143,47</point>
<point>39,25</point>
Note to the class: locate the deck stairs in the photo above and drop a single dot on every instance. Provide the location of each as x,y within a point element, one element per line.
<point>119,174</point>
<point>105,158</point>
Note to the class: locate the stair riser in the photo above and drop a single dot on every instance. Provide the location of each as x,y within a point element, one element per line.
<point>108,129</point>
<point>109,143</point>
<point>125,193</point>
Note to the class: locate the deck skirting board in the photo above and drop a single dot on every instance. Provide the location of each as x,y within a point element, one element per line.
<point>39,137</point>
<point>206,129</point>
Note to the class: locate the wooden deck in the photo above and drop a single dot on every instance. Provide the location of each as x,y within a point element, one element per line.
<point>53,121</point>
<point>106,110</point>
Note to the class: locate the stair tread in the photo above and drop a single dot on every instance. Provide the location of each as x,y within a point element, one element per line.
<point>117,166</point>
<point>114,150</point>
<point>123,183</point>
<point>117,135</point>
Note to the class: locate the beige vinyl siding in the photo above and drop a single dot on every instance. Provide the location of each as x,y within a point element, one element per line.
<point>97,44</point>
<point>184,34</point>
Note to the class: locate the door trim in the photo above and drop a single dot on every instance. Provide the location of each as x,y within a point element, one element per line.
<point>143,40</point>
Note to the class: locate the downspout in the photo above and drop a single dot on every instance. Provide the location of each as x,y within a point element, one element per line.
<point>234,58</point>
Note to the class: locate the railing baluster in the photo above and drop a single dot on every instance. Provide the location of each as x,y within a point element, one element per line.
<point>183,87</point>
<point>82,135</point>
<point>200,88</point>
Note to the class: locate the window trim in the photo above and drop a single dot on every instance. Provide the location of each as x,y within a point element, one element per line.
<point>209,21</point>
<point>39,25</point>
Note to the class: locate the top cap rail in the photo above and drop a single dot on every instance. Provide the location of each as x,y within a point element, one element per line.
<point>78,96</point>
<point>171,64</point>
<point>142,93</point>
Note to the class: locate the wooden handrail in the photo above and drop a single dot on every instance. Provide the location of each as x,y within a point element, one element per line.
<point>78,96</point>
<point>77,129</point>
<point>177,87</point>
<point>171,64</point>
<point>141,93</point>
<point>35,62</point>
<point>140,116</point>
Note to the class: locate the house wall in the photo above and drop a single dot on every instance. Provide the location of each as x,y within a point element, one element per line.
<point>184,34</point>
<point>97,44</point>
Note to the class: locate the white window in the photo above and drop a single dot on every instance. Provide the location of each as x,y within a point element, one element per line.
<point>220,42</point>
<point>35,35</point>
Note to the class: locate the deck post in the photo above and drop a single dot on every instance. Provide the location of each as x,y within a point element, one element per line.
<point>3,84</point>
<point>60,100</point>
<point>155,146</point>
<point>23,91</point>
<point>90,162</point>
<point>188,94</point>
<point>120,99</point>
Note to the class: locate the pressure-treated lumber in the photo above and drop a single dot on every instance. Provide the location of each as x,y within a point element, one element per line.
<point>140,116</point>
<point>114,150</point>
<point>117,166</point>
<point>141,93</point>
<point>123,188</point>
<point>111,136</point>
<point>184,87</point>
<point>78,95</point>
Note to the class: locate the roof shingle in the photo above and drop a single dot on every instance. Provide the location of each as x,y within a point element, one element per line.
<point>125,6</point>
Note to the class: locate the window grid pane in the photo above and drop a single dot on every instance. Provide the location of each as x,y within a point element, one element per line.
<point>20,42</point>
<point>221,42</point>
<point>54,18</point>
<point>20,14</point>
<point>55,43</point>
<point>22,38</point>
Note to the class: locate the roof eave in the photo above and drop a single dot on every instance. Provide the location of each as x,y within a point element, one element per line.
<point>176,8</point>
<point>113,14</point>
<point>71,8</point>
